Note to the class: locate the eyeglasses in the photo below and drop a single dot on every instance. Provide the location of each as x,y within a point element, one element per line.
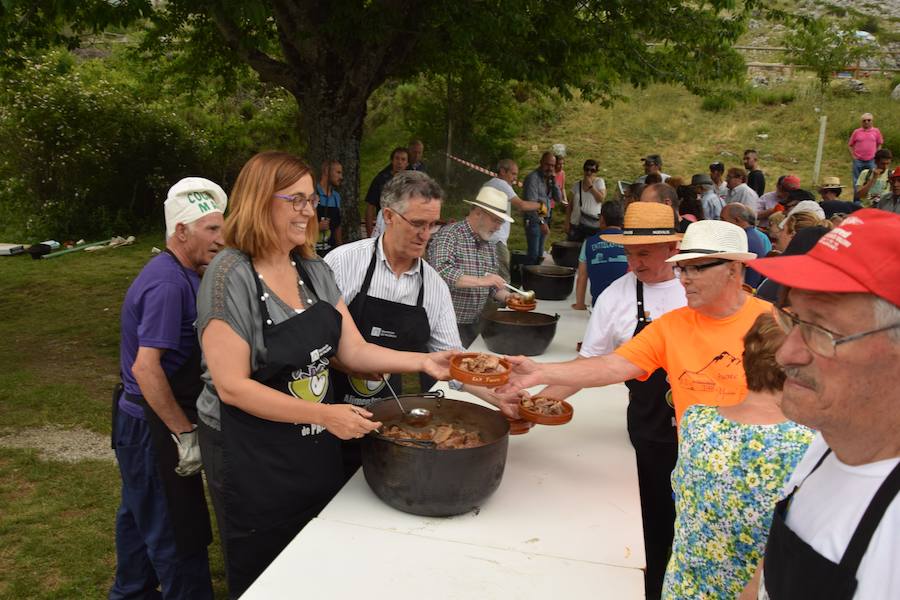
<point>300,201</point>
<point>590,170</point>
<point>818,339</point>
<point>867,120</point>
<point>420,226</point>
<point>692,271</point>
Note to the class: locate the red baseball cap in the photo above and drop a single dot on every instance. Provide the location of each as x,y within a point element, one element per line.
<point>862,255</point>
<point>790,182</point>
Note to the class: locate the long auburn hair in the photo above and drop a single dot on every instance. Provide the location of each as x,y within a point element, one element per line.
<point>249,224</point>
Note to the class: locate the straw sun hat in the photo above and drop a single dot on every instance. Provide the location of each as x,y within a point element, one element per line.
<point>494,201</point>
<point>646,223</point>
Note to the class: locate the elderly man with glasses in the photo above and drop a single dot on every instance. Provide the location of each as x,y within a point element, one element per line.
<point>836,532</point>
<point>699,345</point>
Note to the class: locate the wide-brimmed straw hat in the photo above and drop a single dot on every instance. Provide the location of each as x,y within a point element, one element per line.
<point>646,223</point>
<point>713,239</point>
<point>494,201</point>
<point>830,183</point>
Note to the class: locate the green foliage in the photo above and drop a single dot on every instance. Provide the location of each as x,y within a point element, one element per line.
<point>101,141</point>
<point>718,102</point>
<point>824,46</point>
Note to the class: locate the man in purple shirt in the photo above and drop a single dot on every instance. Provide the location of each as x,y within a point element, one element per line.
<point>864,142</point>
<point>162,525</point>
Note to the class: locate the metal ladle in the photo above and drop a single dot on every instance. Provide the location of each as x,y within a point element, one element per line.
<point>415,417</point>
<point>527,296</point>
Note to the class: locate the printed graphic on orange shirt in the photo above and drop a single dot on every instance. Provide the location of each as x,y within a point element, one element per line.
<point>717,377</point>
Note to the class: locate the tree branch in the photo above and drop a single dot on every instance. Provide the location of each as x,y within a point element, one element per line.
<point>269,69</point>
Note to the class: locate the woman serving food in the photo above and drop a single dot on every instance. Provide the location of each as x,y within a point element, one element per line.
<point>271,320</point>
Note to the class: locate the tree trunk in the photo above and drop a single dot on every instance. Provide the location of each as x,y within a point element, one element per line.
<point>333,131</point>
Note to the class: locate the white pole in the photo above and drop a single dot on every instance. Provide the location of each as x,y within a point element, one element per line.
<point>823,120</point>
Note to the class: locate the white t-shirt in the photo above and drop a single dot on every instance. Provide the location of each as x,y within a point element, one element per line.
<point>827,508</point>
<point>767,201</point>
<point>615,313</point>
<point>588,204</point>
<point>502,234</point>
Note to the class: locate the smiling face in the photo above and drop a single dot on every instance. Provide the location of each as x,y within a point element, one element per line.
<point>648,261</point>
<point>851,390</point>
<point>290,225</point>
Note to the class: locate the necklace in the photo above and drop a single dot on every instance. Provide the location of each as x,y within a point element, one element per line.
<point>306,299</point>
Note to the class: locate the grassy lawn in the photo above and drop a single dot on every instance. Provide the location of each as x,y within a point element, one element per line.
<point>60,324</point>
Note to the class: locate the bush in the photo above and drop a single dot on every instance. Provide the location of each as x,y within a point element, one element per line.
<point>100,143</point>
<point>717,103</point>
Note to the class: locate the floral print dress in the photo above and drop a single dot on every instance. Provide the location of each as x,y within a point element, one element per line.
<point>727,480</point>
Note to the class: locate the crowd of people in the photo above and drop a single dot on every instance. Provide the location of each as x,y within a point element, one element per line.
<point>757,333</point>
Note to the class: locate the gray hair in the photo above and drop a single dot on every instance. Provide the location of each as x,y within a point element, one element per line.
<point>407,184</point>
<point>886,314</point>
<point>505,164</point>
<point>742,212</point>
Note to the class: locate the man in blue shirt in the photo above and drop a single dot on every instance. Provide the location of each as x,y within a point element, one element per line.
<point>600,261</point>
<point>329,209</point>
<point>757,241</point>
<point>540,187</point>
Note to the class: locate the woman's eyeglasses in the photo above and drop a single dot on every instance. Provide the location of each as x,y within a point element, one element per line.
<point>300,201</point>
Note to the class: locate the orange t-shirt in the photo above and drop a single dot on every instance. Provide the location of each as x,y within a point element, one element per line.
<point>702,356</point>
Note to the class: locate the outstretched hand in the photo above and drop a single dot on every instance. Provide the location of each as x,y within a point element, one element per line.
<point>437,364</point>
<point>524,373</point>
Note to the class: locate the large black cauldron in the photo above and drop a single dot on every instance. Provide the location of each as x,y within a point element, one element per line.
<point>548,282</point>
<point>565,254</point>
<point>511,332</point>
<point>432,482</point>
<point>517,259</point>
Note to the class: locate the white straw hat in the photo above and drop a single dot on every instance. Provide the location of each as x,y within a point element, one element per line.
<point>713,239</point>
<point>494,201</point>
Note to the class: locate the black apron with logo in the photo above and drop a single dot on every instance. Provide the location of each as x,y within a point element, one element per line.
<point>278,476</point>
<point>390,325</point>
<point>793,568</point>
<point>650,414</point>
<point>651,428</point>
<point>185,500</point>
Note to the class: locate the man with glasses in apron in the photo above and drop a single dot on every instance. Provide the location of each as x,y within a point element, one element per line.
<point>396,298</point>
<point>836,533</point>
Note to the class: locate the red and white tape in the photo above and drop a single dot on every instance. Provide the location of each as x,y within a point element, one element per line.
<point>478,168</point>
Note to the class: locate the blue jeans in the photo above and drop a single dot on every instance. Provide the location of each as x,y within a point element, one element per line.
<point>858,166</point>
<point>534,237</point>
<point>146,557</point>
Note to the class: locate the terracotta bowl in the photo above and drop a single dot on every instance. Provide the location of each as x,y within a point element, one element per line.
<point>521,306</point>
<point>542,419</point>
<point>519,426</point>
<point>483,379</point>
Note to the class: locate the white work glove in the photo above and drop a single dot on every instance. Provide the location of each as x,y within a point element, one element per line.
<point>188,453</point>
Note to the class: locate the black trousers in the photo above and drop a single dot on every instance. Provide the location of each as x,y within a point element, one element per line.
<point>468,332</point>
<point>655,461</point>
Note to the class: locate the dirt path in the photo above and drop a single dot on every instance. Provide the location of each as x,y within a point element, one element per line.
<point>63,445</point>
